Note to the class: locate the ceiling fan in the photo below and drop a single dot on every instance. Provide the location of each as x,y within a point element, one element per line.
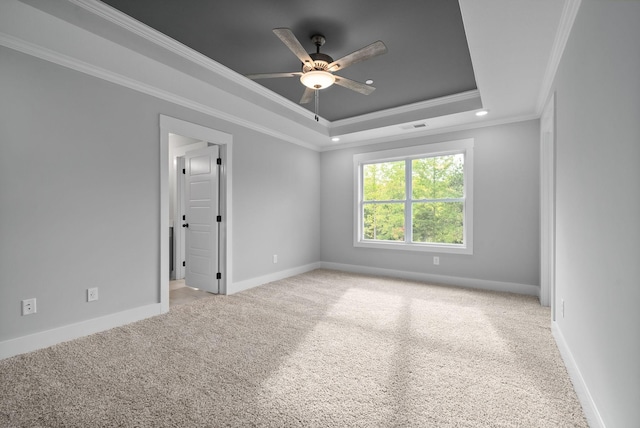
<point>318,68</point>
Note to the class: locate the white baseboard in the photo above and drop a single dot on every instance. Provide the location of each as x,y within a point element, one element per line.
<point>483,284</point>
<point>44,339</point>
<point>584,396</point>
<point>239,286</point>
<point>20,345</point>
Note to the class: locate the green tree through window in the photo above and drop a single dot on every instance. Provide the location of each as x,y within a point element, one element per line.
<point>437,190</point>
<point>384,186</point>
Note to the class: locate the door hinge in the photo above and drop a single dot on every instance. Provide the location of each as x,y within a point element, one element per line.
<point>184,263</point>
<point>184,171</point>
<point>219,161</point>
<point>219,275</point>
<point>219,218</point>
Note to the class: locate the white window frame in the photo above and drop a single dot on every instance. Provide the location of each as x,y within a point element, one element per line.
<point>465,147</point>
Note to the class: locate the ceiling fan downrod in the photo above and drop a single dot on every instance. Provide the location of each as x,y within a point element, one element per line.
<point>318,40</point>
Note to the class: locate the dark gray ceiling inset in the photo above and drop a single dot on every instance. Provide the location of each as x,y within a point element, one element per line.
<point>427,56</point>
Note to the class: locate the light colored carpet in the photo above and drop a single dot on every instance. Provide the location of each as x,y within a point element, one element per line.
<point>322,349</point>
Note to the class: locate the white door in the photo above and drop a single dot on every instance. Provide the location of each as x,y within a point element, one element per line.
<point>200,222</point>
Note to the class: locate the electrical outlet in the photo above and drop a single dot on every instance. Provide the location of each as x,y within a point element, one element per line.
<point>275,258</point>
<point>436,260</point>
<point>92,294</point>
<point>29,306</point>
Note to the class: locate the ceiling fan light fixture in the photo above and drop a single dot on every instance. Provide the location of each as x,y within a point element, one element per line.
<point>317,79</point>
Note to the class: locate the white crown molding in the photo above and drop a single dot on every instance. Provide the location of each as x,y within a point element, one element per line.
<point>435,131</point>
<point>136,27</point>
<point>567,19</point>
<point>409,108</point>
<point>220,72</point>
<point>101,73</point>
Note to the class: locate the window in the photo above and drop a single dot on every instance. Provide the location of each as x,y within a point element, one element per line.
<point>416,198</point>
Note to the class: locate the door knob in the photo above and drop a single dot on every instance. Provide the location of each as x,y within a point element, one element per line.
<point>185,225</point>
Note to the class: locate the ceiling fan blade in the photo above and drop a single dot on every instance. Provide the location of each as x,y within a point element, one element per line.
<point>307,96</point>
<point>367,52</point>
<point>354,86</point>
<point>289,39</point>
<point>273,75</point>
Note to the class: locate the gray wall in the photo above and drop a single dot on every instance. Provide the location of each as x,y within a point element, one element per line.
<point>79,196</point>
<point>598,204</point>
<point>506,209</point>
<point>276,205</point>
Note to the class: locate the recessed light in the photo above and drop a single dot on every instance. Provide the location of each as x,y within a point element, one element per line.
<point>335,139</point>
<point>369,82</point>
<point>482,113</point>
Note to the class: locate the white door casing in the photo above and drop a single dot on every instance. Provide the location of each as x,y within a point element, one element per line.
<point>547,206</point>
<point>200,223</point>
<point>178,234</point>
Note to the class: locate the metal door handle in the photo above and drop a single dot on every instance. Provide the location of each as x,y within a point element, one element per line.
<point>185,225</point>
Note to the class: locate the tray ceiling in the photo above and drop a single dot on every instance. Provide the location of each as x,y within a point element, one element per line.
<point>427,56</point>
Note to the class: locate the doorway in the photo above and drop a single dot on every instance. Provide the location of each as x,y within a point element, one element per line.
<point>202,137</point>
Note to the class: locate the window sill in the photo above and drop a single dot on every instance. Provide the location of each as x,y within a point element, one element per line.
<point>427,248</point>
